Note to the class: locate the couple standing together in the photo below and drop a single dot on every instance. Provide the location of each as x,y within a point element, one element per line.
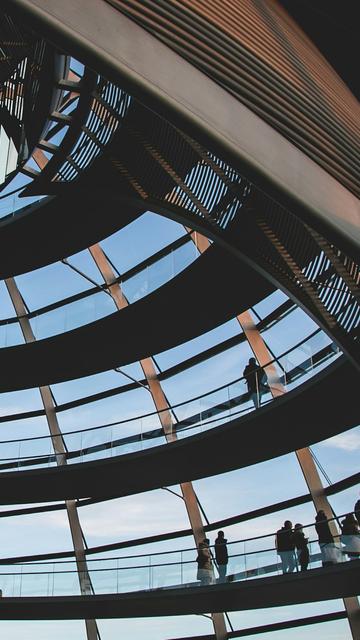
<point>205,572</point>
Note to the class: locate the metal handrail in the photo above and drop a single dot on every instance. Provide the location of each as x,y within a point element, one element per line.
<point>170,408</point>
<point>182,550</point>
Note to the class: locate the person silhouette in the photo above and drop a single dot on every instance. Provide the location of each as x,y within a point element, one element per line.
<point>221,555</point>
<point>326,539</point>
<point>350,536</point>
<point>255,377</point>
<point>285,546</point>
<point>205,572</point>
<point>301,544</point>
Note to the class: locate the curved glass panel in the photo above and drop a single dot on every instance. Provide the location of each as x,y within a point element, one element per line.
<point>13,203</point>
<point>196,415</point>
<point>94,304</point>
<point>247,559</point>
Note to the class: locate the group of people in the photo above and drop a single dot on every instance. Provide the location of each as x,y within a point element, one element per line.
<point>289,541</point>
<point>292,545</point>
<point>205,572</point>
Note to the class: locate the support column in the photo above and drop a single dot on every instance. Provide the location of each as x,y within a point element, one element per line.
<point>162,406</point>
<point>305,459</point>
<point>60,452</point>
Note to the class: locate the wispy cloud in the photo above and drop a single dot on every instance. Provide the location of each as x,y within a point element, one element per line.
<point>345,441</point>
<point>134,516</point>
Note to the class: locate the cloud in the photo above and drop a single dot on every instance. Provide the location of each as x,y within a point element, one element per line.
<point>345,441</point>
<point>133,516</point>
<point>10,409</point>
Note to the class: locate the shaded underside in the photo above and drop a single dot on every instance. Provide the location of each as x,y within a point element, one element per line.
<point>312,586</point>
<point>59,227</point>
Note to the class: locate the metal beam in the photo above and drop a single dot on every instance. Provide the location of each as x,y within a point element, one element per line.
<point>162,406</point>
<point>60,451</point>
<point>126,53</point>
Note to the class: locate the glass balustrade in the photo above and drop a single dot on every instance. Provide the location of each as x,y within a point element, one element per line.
<point>12,203</point>
<point>94,306</point>
<point>193,416</point>
<point>248,559</point>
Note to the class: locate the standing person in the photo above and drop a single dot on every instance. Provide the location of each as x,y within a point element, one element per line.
<point>205,571</point>
<point>329,551</point>
<point>255,379</point>
<point>221,555</point>
<point>301,544</point>
<point>350,536</point>
<point>357,510</point>
<point>286,547</point>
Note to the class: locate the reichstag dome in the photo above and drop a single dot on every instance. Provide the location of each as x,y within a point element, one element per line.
<point>180,312</point>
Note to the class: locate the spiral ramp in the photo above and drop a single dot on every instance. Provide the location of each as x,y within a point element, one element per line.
<point>228,124</point>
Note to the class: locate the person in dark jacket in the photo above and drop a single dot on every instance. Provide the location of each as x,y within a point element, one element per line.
<point>285,547</point>
<point>221,555</point>
<point>301,545</point>
<point>255,379</point>
<point>322,528</point>
<point>326,539</point>
<point>350,536</point>
<point>205,572</point>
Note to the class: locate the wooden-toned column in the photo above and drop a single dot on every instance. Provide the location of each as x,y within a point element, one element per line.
<point>59,449</point>
<point>162,406</point>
